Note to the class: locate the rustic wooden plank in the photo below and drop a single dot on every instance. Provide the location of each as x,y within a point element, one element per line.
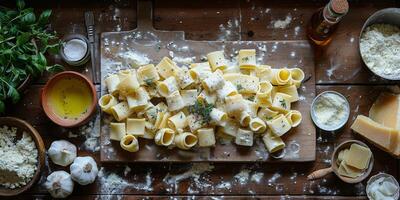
<point>291,176</point>
<point>193,197</point>
<point>201,20</point>
<point>29,109</point>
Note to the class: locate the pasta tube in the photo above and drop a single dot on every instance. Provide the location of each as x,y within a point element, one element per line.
<point>185,140</point>
<point>294,117</point>
<point>279,125</point>
<point>117,131</point>
<point>218,117</point>
<point>272,142</point>
<point>164,137</point>
<point>129,143</point>
<point>106,102</point>
<point>135,126</point>
<point>175,101</point>
<point>297,76</point>
<point>178,121</point>
<point>247,59</point>
<point>244,137</point>
<point>257,125</point>
<point>213,82</point>
<point>281,76</point>
<point>217,60</point>
<point>111,83</point>
<point>168,86</point>
<point>206,137</point>
<point>121,111</point>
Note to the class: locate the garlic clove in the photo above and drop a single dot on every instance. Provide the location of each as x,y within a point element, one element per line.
<point>84,170</point>
<point>59,184</point>
<point>62,152</point>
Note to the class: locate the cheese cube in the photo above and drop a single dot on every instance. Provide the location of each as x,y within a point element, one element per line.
<point>386,111</point>
<point>348,171</point>
<point>358,156</point>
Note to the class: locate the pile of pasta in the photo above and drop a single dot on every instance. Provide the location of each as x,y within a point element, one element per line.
<point>198,102</point>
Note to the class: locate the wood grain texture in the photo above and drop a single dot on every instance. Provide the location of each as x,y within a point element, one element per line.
<point>292,183</point>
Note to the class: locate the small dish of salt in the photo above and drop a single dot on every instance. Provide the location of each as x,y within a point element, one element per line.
<point>75,49</point>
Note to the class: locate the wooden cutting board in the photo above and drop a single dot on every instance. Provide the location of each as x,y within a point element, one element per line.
<point>147,45</point>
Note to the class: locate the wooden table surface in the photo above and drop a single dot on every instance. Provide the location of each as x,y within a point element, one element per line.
<point>338,67</point>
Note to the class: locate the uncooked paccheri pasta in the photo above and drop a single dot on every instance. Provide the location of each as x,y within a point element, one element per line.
<point>205,99</point>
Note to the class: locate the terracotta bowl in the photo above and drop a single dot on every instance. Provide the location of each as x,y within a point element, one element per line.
<point>22,126</point>
<point>58,119</point>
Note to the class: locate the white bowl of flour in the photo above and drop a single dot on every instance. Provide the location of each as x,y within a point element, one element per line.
<point>379,44</point>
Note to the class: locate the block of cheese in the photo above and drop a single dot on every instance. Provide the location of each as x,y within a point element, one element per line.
<point>349,171</point>
<point>358,156</point>
<point>386,110</point>
<point>387,139</point>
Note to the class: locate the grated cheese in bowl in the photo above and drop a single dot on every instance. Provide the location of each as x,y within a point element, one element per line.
<point>18,158</point>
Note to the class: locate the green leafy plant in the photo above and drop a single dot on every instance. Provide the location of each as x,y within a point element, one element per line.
<point>24,40</point>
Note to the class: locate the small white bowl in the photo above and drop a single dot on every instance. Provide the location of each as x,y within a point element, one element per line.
<point>314,117</point>
<point>376,177</point>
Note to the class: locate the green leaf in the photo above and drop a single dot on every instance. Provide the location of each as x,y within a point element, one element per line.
<point>41,59</point>
<point>23,38</point>
<point>29,18</point>
<point>13,94</point>
<point>20,4</point>
<point>53,48</point>
<point>44,17</point>
<point>2,107</point>
<point>55,68</point>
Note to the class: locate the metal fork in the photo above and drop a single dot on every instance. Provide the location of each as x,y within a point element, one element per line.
<point>90,29</point>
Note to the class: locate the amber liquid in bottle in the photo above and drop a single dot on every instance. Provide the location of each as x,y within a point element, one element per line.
<point>319,30</point>
<point>325,21</point>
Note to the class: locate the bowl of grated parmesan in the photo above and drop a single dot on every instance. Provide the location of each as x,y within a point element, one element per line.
<point>22,154</point>
<point>379,43</point>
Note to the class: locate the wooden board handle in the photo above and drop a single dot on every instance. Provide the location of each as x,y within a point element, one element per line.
<point>319,173</point>
<point>145,14</point>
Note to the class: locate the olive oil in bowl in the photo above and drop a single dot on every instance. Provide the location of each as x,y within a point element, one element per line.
<point>70,98</point>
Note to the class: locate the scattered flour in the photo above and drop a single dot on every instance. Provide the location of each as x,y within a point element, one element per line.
<point>18,161</point>
<point>112,184</point>
<point>380,49</point>
<point>274,178</point>
<point>194,172</point>
<point>230,31</point>
<point>134,59</point>
<point>243,176</point>
<point>257,177</point>
<point>282,24</point>
<point>91,131</point>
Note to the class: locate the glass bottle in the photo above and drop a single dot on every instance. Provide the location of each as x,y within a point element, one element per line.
<point>325,21</point>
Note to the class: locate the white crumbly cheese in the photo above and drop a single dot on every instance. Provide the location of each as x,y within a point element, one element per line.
<point>380,49</point>
<point>18,162</point>
<point>330,110</point>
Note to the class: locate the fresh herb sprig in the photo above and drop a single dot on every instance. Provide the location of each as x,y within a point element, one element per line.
<point>24,40</point>
<point>203,110</point>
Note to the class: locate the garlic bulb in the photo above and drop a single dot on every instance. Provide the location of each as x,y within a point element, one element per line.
<point>62,152</point>
<point>59,184</point>
<point>84,170</point>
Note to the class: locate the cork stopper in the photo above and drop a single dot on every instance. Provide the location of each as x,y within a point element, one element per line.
<point>339,6</point>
